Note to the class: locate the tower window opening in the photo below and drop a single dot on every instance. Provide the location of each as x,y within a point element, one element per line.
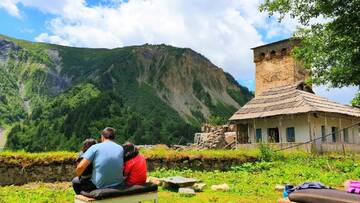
<point>272,53</point>
<point>262,55</point>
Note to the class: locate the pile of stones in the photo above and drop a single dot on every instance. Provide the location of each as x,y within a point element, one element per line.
<point>215,137</point>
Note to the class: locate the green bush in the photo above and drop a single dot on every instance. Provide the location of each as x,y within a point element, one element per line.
<point>253,167</point>
<point>268,154</point>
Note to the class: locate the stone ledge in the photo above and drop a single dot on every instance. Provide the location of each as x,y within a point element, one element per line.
<point>52,172</point>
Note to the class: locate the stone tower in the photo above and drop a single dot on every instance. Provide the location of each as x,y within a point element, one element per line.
<point>275,67</point>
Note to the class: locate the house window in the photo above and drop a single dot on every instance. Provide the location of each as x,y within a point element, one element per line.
<point>258,135</point>
<point>290,134</point>
<point>334,134</point>
<point>346,135</point>
<point>273,135</point>
<point>323,133</point>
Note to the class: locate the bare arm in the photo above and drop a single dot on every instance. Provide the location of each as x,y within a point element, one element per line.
<point>84,163</point>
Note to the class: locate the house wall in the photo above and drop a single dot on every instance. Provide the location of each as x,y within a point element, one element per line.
<point>302,124</point>
<point>334,120</point>
<point>299,122</point>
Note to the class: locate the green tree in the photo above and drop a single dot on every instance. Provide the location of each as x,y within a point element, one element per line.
<point>330,49</point>
<point>217,120</point>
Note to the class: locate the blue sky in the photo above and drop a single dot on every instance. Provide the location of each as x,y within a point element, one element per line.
<point>223,31</point>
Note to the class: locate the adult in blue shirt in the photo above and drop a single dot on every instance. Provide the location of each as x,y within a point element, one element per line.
<point>107,161</point>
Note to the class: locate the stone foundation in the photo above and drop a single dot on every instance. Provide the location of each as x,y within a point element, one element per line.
<point>12,175</point>
<point>215,137</point>
<point>17,175</point>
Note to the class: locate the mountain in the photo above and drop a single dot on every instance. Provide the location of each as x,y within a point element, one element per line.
<point>54,97</point>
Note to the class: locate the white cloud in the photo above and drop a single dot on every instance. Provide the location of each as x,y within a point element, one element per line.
<point>223,31</point>
<point>45,6</point>
<point>217,29</point>
<point>51,38</point>
<point>10,7</point>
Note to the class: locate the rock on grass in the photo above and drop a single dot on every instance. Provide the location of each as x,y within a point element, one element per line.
<point>186,191</point>
<point>222,187</point>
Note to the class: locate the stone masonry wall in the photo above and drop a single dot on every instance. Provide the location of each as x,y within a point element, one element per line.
<point>274,73</point>
<point>215,137</point>
<point>275,67</point>
<point>17,175</point>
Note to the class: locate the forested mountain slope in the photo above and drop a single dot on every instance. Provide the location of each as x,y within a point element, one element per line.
<point>55,96</point>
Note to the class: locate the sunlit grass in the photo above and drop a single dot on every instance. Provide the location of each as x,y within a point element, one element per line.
<point>25,159</point>
<point>249,182</point>
<point>163,152</point>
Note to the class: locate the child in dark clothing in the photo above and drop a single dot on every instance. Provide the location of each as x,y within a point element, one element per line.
<point>134,165</point>
<point>86,145</point>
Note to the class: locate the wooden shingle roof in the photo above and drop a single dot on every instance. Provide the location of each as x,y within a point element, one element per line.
<point>290,99</point>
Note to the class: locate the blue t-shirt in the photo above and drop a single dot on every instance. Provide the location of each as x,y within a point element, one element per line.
<point>107,160</point>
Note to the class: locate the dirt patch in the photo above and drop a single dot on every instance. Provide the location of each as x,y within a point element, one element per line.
<point>52,186</point>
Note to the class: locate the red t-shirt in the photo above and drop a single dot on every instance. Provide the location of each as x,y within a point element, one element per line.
<point>135,171</point>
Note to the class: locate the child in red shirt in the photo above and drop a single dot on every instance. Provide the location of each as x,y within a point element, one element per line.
<point>134,166</point>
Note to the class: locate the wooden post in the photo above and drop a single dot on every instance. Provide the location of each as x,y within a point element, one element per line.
<point>340,131</point>
<point>326,127</point>
<point>236,137</point>
<point>353,131</point>
<point>325,133</point>
<point>254,132</point>
<point>280,134</point>
<point>309,123</point>
<point>248,134</point>
<point>312,148</point>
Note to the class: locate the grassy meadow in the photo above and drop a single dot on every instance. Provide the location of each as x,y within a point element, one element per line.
<point>250,182</point>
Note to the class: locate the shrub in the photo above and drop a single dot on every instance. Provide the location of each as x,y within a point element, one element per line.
<point>268,154</point>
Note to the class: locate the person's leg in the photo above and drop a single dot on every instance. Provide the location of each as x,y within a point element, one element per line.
<point>76,185</point>
<point>82,185</point>
<point>87,185</point>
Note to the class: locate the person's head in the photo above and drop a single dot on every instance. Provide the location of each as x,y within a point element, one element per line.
<point>87,144</point>
<point>130,151</point>
<point>108,134</point>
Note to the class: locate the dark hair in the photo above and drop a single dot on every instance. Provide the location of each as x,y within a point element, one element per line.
<point>87,144</point>
<point>109,133</point>
<point>130,151</point>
